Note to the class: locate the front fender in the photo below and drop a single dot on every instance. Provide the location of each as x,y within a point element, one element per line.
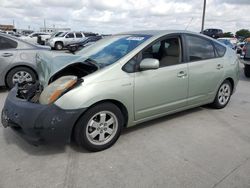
<point>84,96</point>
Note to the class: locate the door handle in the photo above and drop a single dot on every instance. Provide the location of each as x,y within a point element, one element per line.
<point>181,74</point>
<point>7,54</point>
<point>219,66</point>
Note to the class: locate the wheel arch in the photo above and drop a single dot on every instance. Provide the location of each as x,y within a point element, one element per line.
<point>231,82</point>
<point>119,104</point>
<point>59,42</point>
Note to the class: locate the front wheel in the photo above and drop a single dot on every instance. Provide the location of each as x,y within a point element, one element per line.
<point>223,95</point>
<point>58,45</point>
<point>99,128</point>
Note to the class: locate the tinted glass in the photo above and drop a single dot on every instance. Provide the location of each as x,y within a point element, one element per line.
<point>70,35</point>
<point>6,43</point>
<point>221,50</point>
<point>199,48</point>
<point>78,35</point>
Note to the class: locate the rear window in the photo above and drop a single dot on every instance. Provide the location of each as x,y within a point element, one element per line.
<point>199,48</point>
<point>221,50</point>
<point>6,43</point>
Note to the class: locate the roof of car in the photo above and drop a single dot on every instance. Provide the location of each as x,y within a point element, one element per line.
<point>158,32</point>
<point>19,40</point>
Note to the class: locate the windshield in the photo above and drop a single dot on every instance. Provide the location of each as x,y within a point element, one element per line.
<point>62,34</point>
<point>107,51</point>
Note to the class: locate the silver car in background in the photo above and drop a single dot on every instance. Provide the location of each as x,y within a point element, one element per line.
<point>17,60</point>
<point>64,39</point>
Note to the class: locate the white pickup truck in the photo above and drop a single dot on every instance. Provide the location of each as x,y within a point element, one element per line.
<point>246,62</point>
<point>32,38</point>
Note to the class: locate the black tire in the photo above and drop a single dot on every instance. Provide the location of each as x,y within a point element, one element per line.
<point>247,71</point>
<point>80,131</point>
<point>73,49</point>
<point>10,75</point>
<point>216,103</point>
<point>58,45</point>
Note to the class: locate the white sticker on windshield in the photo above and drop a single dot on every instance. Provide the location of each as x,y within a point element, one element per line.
<point>136,38</point>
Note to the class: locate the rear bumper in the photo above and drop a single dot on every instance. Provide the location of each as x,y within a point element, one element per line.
<point>39,123</point>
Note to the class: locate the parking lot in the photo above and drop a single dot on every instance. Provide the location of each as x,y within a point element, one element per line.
<point>200,147</point>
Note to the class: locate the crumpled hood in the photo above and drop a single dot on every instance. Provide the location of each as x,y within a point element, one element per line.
<point>48,63</point>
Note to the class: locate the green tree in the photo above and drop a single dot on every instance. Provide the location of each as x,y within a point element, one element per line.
<point>243,33</point>
<point>228,34</point>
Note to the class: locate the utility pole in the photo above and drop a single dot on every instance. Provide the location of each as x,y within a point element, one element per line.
<point>203,16</point>
<point>44,22</point>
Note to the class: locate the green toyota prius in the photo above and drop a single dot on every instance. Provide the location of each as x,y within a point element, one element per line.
<point>118,82</point>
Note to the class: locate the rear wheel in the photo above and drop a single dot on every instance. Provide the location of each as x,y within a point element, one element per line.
<point>99,128</point>
<point>223,95</point>
<point>247,71</point>
<point>58,45</point>
<point>20,75</point>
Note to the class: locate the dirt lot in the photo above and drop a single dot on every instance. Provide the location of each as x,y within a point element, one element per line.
<point>201,147</point>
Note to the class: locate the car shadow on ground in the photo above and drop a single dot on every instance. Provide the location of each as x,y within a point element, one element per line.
<point>11,137</point>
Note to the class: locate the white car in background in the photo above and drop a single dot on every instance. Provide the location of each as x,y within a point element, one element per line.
<point>64,39</point>
<point>32,38</point>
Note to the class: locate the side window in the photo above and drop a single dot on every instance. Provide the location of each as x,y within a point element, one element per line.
<point>78,35</point>
<point>199,48</point>
<point>156,47</point>
<point>6,43</point>
<point>130,66</point>
<point>221,50</point>
<point>167,51</point>
<point>70,35</point>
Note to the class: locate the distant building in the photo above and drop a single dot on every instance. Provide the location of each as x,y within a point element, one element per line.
<point>53,29</point>
<point>7,27</point>
<point>23,31</point>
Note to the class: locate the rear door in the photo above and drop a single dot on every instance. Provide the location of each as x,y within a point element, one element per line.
<point>205,69</point>
<point>79,36</point>
<point>8,51</point>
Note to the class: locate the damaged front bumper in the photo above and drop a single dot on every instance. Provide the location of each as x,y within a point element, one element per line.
<point>38,123</point>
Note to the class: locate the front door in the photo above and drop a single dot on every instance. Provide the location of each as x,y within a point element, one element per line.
<point>165,89</point>
<point>69,39</point>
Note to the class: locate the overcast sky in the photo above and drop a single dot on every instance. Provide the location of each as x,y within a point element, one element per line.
<point>111,16</point>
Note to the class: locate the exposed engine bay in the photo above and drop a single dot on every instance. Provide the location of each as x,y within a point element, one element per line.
<point>32,91</point>
<point>77,69</point>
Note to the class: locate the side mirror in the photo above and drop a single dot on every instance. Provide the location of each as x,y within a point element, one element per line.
<point>149,63</point>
